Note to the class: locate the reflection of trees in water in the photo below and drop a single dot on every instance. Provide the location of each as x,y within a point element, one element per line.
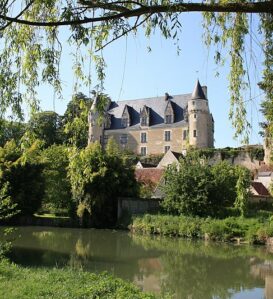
<point>193,269</point>
<point>90,249</point>
<point>203,277</point>
<point>199,270</point>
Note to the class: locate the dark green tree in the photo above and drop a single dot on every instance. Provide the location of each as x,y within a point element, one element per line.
<point>75,120</point>
<point>21,172</point>
<point>11,130</point>
<point>196,188</point>
<point>97,179</point>
<point>57,185</point>
<point>46,126</point>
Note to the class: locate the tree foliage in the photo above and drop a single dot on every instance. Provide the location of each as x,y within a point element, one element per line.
<point>97,178</point>
<point>32,50</point>
<point>57,186</point>
<point>46,126</point>
<point>11,130</point>
<point>75,120</point>
<point>21,173</point>
<point>196,188</point>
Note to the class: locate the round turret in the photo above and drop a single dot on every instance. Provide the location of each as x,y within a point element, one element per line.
<point>200,119</point>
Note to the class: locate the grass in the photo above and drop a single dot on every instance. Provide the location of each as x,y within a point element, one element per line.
<point>250,230</point>
<point>48,215</point>
<point>37,283</point>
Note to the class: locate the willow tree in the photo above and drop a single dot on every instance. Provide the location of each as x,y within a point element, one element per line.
<point>31,50</point>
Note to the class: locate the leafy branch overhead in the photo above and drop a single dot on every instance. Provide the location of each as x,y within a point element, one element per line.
<point>32,44</point>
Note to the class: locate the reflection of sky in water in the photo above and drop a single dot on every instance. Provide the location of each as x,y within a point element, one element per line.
<point>188,269</point>
<point>256,293</point>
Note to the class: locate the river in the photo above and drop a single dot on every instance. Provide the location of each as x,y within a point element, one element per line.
<point>187,269</point>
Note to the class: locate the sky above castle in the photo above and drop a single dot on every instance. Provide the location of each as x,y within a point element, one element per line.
<point>133,72</point>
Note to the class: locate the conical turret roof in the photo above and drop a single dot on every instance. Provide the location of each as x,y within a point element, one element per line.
<point>198,92</point>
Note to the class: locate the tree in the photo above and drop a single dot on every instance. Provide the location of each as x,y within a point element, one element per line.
<point>196,188</point>
<point>11,130</point>
<point>57,186</point>
<point>97,178</point>
<point>188,188</point>
<point>21,172</point>
<point>75,120</point>
<point>46,126</point>
<point>30,31</point>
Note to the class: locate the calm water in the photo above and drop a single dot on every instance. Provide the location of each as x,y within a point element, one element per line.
<point>187,269</point>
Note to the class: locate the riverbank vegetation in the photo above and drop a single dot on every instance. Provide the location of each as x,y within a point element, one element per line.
<point>63,283</point>
<point>250,230</point>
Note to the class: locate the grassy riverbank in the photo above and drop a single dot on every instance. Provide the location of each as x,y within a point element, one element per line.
<point>251,230</point>
<point>34,283</point>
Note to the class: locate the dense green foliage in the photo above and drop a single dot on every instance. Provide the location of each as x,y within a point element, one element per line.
<point>63,284</point>
<point>57,186</point>
<point>252,230</point>
<point>196,188</point>
<point>97,178</point>
<point>11,130</point>
<point>75,120</point>
<point>46,126</point>
<point>21,172</point>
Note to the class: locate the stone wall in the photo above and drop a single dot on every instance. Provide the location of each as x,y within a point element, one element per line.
<point>137,206</point>
<point>155,139</point>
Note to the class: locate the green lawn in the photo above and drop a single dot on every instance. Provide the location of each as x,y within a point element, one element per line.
<point>17,282</point>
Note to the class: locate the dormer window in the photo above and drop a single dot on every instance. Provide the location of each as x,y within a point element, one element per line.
<point>144,121</point>
<point>107,121</point>
<point>169,113</point>
<point>145,116</point>
<point>125,122</point>
<point>125,119</point>
<point>168,119</point>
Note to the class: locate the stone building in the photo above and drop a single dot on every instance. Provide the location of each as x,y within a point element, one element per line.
<point>155,125</point>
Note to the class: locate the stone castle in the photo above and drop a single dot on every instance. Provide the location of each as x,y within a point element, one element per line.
<point>156,125</point>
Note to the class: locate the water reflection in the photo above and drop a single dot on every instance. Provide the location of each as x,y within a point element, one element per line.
<point>187,269</point>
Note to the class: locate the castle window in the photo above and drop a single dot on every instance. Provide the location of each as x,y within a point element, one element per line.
<point>168,119</point>
<point>167,135</point>
<point>125,118</point>
<point>143,137</point>
<point>193,102</point>
<point>185,134</point>
<point>194,115</point>
<point>166,148</point>
<point>194,133</point>
<point>123,139</point>
<point>144,121</point>
<point>125,122</point>
<point>143,151</point>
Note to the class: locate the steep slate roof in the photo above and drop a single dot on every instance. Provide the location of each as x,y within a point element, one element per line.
<point>198,92</point>
<point>157,106</point>
<point>260,188</point>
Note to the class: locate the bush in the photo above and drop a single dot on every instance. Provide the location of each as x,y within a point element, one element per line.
<point>194,188</point>
<point>250,230</point>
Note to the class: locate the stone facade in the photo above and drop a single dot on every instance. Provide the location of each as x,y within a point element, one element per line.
<point>156,125</point>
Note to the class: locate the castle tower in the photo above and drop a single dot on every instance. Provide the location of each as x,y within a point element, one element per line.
<point>201,127</point>
<point>96,128</point>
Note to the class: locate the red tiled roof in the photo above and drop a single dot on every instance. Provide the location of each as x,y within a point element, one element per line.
<point>265,168</point>
<point>260,188</point>
<point>149,175</point>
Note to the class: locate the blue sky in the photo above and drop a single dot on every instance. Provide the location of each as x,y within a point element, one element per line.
<point>133,72</point>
